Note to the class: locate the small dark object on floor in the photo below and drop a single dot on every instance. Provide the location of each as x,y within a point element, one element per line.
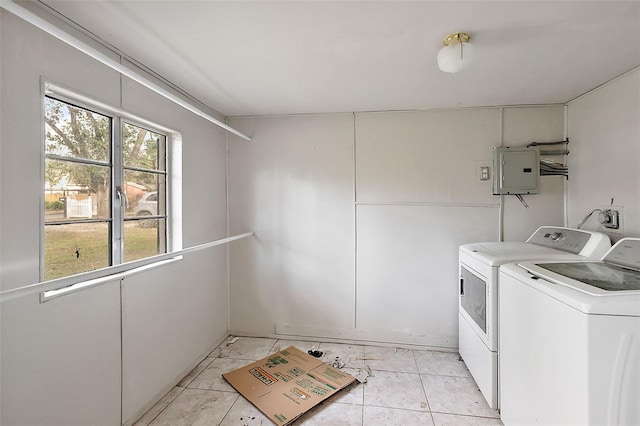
<point>317,354</point>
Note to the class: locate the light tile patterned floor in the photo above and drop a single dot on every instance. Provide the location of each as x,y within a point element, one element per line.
<point>408,387</point>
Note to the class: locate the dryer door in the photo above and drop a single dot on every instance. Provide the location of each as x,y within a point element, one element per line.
<point>473,297</point>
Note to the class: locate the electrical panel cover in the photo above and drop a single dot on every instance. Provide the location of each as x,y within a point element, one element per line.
<point>516,170</point>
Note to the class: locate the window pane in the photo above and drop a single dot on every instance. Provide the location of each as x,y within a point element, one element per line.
<point>75,132</point>
<point>76,191</point>
<point>75,248</point>
<point>144,238</point>
<point>146,193</point>
<point>142,148</point>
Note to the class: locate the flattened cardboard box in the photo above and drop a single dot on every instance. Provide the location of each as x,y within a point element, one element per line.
<point>287,384</point>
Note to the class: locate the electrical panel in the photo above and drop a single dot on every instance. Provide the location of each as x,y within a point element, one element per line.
<point>516,170</point>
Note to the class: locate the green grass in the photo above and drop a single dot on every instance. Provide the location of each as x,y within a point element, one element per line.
<point>139,242</point>
<point>77,248</point>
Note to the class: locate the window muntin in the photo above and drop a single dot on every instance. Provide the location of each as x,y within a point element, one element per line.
<point>95,167</point>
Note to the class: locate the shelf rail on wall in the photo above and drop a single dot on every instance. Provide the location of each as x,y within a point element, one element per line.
<point>58,33</point>
<point>91,279</point>
<point>550,167</point>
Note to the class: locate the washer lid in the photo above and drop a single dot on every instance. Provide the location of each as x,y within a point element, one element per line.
<point>496,254</point>
<point>607,277</point>
<point>618,272</point>
<point>546,243</point>
<point>577,294</point>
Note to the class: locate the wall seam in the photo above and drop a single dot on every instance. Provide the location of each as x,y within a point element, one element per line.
<point>228,248</point>
<point>501,211</point>
<point>355,228</point>
<point>565,183</point>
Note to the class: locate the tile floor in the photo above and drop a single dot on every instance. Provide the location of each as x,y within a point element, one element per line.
<point>408,387</point>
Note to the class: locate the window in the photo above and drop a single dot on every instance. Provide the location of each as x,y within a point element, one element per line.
<point>105,190</point>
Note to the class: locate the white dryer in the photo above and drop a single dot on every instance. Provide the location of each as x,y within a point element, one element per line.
<point>478,301</point>
<point>570,340</point>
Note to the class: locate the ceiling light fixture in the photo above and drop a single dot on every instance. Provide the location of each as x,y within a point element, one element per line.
<point>456,54</point>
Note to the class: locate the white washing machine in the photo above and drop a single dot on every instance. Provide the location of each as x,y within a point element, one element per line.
<point>570,340</point>
<point>478,301</point>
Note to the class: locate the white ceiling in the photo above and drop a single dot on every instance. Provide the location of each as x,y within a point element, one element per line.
<point>268,57</point>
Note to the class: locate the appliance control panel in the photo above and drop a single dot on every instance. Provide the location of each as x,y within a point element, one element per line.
<point>571,240</point>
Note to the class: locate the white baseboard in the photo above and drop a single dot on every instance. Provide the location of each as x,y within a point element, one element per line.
<point>373,337</point>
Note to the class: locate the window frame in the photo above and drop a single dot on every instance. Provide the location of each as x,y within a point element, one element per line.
<point>172,140</point>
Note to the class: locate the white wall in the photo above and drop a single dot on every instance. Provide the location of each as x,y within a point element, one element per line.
<point>365,247</point>
<point>419,198</point>
<point>293,186</point>
<point>521,126</point>
<point>604,128</point>
<point>61,361</point>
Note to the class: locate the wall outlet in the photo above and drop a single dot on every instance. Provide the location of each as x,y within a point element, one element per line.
<point>611,219</point>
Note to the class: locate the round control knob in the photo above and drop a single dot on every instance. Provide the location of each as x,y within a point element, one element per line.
<point>556,236</point>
